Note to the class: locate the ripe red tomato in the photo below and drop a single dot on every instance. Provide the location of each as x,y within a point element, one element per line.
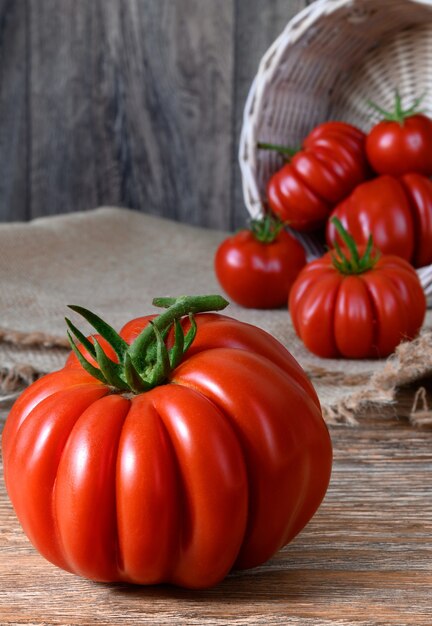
<point>397,212</point>
<point>348,305</point>
<point>190,465</point>
<point>331,163</point>
<point>401,143</point>
<point>257,267</point>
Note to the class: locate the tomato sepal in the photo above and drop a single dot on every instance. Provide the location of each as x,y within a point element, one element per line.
<point>355,263</point>
<point>147,362</point>
<point>399,114</point>
<point>267,228</point>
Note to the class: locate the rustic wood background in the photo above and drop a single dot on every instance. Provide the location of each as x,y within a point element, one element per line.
<point>133,103</point>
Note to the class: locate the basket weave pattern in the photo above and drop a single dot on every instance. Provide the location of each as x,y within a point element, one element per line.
<point>328,62</point>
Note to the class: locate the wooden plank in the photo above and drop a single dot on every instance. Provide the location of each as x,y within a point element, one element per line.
<point>257,26</point>
<point>364,560</point>
<point>131,105</point>
<point>67,110</point>
<point>13,110</point>
<point>135,104</point>
<point>176,63</point>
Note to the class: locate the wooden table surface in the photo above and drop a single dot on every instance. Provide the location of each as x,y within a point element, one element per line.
<point>366,557</point>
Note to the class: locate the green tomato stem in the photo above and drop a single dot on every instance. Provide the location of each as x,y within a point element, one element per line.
<point>399,114</point>
<point>147,362</point>
<point>285,150</point>
<point>266,229</point>
<point>352,263</point>
<point>176,308</point>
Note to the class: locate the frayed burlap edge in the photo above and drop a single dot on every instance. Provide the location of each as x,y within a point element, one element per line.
<point>32,339</point>
<point>411,362</point>
<point>13,380</point>
<point>421,413</point>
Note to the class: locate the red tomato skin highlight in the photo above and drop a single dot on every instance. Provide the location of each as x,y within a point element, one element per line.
<point>353,319</point>
<point>255,274</point>
<point>178,484</point>
<point>294,202</point>
<point>31,461</point>
<point>84,498</point>
<point>330,165</point>
<point>418,190</point>
<point>397,212</point>
<point>314,313</point>
<point>148,496</point>
<point>392,317</point>
<point>278,467</point>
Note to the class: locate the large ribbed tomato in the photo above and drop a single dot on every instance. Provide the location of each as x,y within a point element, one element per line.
<point>397,212</point>
<point>174,467</point>
<point>348,305</point>
<point>331,163</point>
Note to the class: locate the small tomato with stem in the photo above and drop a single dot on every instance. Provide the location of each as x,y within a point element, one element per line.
<point>401,143</point>
<point>256,267</point>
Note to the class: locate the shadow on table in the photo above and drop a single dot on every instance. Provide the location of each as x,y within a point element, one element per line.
<point>264,583</point>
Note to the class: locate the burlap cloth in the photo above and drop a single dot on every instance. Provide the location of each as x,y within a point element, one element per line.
<point>114,261</point>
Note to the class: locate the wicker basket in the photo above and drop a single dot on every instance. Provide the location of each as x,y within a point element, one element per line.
<point>332,58</point>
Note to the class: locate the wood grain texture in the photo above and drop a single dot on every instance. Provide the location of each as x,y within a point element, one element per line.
<point>63,104</point>
<point>13,110</point>
<point>174,74</point>
<point>122,103</point>
<point>364,560</point>
<point>135,104</point>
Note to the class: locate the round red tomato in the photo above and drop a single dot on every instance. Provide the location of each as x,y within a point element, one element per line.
<point>331,163</point>
<point>401,143</point>
<point>173,467</point>
<point>397,212</point>
<point>353,306</point>
<point>257,267</point>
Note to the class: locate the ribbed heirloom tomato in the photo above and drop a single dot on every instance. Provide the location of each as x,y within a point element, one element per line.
<point>397,212</point>
<point>186,445</point>
<point>331,163</point>
<point>256,267</point>
<point>346,304</point>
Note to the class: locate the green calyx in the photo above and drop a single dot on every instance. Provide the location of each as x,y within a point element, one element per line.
<point>286,151</point>
<point>147,362</point>
<point>399,114</point>
<point>266,229</point>
<point>353,263</point>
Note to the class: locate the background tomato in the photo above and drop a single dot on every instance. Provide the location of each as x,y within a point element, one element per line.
<point>256,270</point>
<point>331,163</point>
<point>401,143</point>
<point>217,467</point>
<point>397,212</point>
<point>352,304</point>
